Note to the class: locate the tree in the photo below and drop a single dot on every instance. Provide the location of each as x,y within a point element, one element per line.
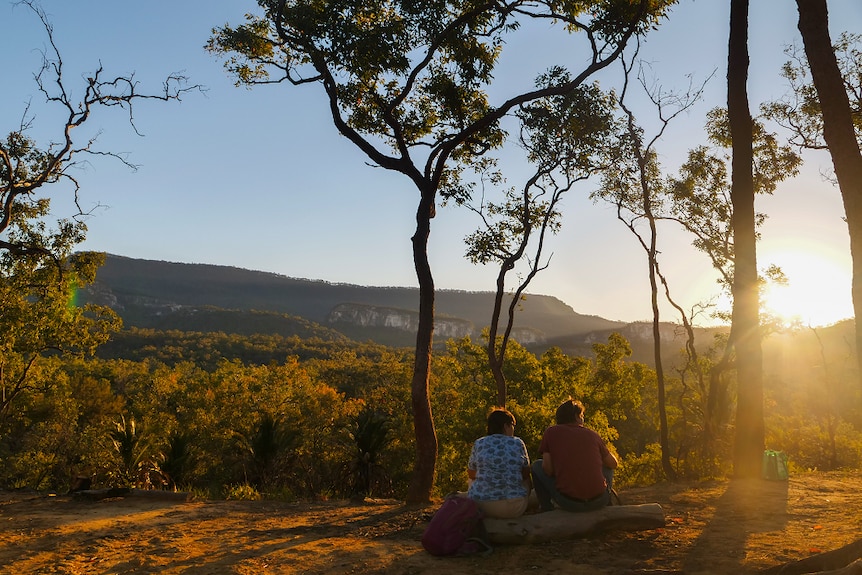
<point>38,315</point>
<point>269,449</point>
<point>701,201</point>
<point>745,328</point>
<point>25,168</point>
<point>634,183</point>
<point>408,84</point>
<point>564,136</point>
<point>838,132</point>
<point>38,274</point>
<point>798,111</point>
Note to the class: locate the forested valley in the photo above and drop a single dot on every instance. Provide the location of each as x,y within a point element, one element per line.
<point>237,416</point>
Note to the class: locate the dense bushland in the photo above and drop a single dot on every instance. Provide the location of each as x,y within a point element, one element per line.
<point>333,419</point>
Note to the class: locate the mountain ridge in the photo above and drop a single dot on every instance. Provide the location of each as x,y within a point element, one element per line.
<point>150,293</point>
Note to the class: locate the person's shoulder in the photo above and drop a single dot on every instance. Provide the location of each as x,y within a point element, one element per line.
<point>494,438</point>
<point>584,429</point>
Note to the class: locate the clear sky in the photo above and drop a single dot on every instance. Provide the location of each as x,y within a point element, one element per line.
<point>259,178</point>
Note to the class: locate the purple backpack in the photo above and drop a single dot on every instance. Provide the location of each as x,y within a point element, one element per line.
<point>456,529</point>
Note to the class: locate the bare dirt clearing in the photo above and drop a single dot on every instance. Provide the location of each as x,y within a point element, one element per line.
<point>718,527</point>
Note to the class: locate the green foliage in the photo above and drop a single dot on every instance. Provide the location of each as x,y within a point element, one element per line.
<point>38,316</point>
<point>363,54</point>
<point>270,448</point>
<point>307,429</point>
<point>700,195</point>
<point>370,435</point>
<point>134,465</point>
<point>799,110</point>
<point>564,136</point>
<point>177,459</point>
<point>208,349</point>
<point>242,492</point>
<point>642,468</point>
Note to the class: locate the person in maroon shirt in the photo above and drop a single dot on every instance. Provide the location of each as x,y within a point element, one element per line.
<point>576,468</point>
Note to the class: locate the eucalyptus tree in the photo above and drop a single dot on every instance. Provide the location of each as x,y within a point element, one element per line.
<point>565,138</point>
<point>838,130</point>
<point>38,273</point>
<point>699,199</point>
<point>799,110</point>
<point>701,202</point>
<point>27,169</point>
<point>825,112</point>
<point>410,84</point>
<point>633,182</point>
<point>749,437</point>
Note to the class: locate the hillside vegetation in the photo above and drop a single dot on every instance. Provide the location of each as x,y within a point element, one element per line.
<point>247,403</point>
<point>199,297</point>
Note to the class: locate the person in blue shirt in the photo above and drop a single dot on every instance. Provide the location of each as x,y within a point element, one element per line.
<point>499,469</point>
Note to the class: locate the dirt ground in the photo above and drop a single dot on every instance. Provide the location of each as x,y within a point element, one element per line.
<point>711,528</point>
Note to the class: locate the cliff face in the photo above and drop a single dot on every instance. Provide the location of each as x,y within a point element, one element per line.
<point>405,320</point>
<point>641,331</point>
<point>361,315</point>
<point>165,295</point>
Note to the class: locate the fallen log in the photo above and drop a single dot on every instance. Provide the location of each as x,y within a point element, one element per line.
<point>559,524</point>
<point>843,560</point>
<point>854,568</point>
<point>99,494</point>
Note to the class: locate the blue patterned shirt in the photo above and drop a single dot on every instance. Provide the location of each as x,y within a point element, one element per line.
<point>497,460</point>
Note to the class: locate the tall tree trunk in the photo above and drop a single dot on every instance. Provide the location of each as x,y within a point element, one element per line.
<point>496,352</point>
<point>425,464</point>
<point>838,133</point>
<point>664,438</point>
<point>749,440</point>
<point>652,257</point>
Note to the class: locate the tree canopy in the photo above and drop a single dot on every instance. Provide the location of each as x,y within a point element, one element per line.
<point>410,84</point>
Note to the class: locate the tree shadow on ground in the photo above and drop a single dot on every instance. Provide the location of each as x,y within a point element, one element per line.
<point>747,507</point>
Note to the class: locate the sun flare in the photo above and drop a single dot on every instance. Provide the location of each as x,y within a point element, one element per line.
<point>817,291</point>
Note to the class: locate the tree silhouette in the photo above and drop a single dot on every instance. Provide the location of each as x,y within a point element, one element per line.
<point>745,328</point>
<point>564,138</point>
<point>38,275</point>
<point>409,84</point>
<point>839,124</point>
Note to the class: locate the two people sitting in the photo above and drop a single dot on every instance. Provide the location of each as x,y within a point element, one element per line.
<point>574,473</point>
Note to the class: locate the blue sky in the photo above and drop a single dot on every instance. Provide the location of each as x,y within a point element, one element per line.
<point>260,179</point>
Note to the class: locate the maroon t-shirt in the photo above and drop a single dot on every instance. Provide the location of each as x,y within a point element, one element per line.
<point>577,454</point>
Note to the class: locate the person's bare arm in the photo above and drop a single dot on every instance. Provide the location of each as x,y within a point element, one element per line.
<point>610,461</point>
<point>471,473</point>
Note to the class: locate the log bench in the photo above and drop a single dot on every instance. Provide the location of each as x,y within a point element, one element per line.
<point>559,524</point>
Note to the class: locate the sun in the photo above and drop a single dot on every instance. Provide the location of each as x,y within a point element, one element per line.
<point>817,291</point>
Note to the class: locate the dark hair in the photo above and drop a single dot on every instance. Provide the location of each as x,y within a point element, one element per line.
<point>569,411</point>
<point>498,419</point>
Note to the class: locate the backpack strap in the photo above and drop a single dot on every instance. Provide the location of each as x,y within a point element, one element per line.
<point>476,546</point>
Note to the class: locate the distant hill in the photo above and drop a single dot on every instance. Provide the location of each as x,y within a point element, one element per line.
<point>201,297</point>
<point>208,313</point>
